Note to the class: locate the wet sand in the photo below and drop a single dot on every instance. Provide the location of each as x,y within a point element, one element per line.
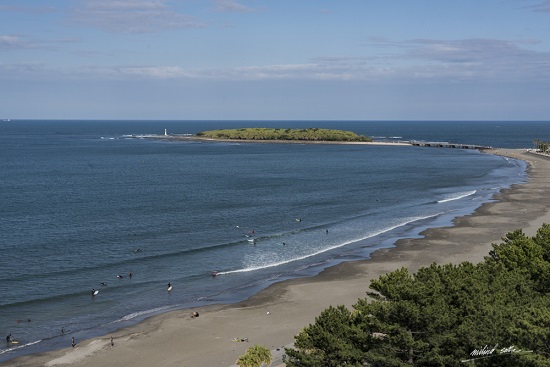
<point>272,317</point>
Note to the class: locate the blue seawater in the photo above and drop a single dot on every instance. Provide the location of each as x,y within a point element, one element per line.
<point>81,203</point>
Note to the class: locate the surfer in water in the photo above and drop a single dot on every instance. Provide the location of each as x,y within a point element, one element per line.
<point>8,339</point>
<point>214,273</point>
<point>169,287</point>
<point>94,292</point>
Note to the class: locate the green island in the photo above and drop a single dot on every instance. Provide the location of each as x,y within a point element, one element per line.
<point>310,134</point>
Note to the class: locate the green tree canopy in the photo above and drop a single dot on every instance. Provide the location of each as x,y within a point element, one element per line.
<point>255,356</point>
<point>496,312</point>
<point>311,134</point>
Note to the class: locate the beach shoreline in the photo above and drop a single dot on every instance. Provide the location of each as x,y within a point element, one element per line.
<point>273,316</point>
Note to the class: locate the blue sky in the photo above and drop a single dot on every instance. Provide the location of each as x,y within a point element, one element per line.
<point>275,59</point>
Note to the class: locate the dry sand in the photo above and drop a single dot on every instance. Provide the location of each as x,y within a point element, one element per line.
<point>275,315</point>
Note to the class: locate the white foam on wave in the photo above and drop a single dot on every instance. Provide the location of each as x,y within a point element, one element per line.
<point>457,196</point>
<point>19,346</point>
<point>283,262</point>
<point>141,313</point>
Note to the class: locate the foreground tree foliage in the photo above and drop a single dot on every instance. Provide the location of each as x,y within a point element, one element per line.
<point>255,356</point>
<point>496,312</point>
<point>311,134</point>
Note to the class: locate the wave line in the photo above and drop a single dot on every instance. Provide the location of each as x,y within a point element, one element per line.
<point>457,196</point>
<point>254,268</point>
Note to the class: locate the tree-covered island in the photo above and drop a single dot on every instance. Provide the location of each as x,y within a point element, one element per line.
<point>263,134</point>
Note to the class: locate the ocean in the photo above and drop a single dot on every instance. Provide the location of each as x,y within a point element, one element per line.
<point>82,203</point>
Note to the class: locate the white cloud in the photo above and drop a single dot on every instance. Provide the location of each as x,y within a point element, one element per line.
<point>542,6</point>
<point>12,42</point>
<point>27,9</point>
<point>232,6</point>
<point>420,59</point>
<point>154,72</point>
<point>465,59</point>
<point>131,16</point>
<point>21,42</point>
<point>466,50</point>
<point>22,69</point>
<point>453,60</point>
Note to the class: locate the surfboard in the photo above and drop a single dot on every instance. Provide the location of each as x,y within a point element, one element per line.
<point>169,288</point>
<point>95,293</point>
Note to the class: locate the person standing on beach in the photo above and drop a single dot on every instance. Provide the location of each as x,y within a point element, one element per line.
<point>73,344</point>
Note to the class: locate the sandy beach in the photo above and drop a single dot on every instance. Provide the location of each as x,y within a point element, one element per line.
<point>272,317</point>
